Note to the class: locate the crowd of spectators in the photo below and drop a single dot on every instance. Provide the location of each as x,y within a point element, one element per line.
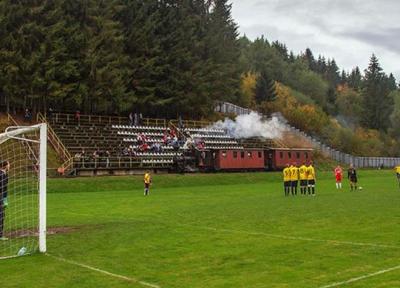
<point>135,119</point>
<point>97,159</point>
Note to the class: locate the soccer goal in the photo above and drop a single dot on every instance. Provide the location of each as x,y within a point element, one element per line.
<point>23,156</point>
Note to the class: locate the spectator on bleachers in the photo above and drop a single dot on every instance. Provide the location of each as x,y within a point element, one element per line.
<point>107,156</point>
<point>175,143</point>
<point>50,113</point>
<point>156,147</point>
<point>77,159</point>
<point>140,119</point>
<point>172,133</point>
<point>130,117</point>
<point>141,139</point>
<point>96,157</point>
<point>83,158</point>
<point>78,116</point>
<point>200,144</point>
<point>125,151</point>
<point>166,137</point>
<point>136,119</point>
<point>181,126</point>
<point>188,144</point>
<point>28,115</point>
<point>144,147</point>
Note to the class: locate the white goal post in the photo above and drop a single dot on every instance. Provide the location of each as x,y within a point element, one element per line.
<point>23,169</point>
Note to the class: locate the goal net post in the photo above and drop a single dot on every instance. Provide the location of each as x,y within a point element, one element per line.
<point>23,167</point>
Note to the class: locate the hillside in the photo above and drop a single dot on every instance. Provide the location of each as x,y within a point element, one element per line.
<point>353,112</point>
<point>177,58</point>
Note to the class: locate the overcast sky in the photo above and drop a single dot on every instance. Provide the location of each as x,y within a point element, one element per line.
<point>347,30</point>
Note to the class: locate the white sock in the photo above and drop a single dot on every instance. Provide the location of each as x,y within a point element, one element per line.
<point>337,185</point>
<point>340,185</point>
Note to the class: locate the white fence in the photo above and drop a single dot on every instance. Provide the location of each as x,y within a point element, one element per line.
<point>226,107</point>
<point>362,162</point>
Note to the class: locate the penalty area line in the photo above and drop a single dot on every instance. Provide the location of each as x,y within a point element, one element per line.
<point>337,242</point>
<point>361,277</point>
<point>122,277</point>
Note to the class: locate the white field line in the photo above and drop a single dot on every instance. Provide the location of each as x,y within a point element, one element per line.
<point>129,279</point>
<point>294,237</point>
<point>361,277</point>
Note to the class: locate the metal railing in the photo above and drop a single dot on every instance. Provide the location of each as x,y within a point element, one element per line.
<point>345,158</point>
<point>191,123</point>
<point>101,119</point>
<point>57,144</point>
<point>27,145</point>
<point>119,163</point>
<point>226,107</point>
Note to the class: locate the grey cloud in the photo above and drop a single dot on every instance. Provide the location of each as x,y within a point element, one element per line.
<point>387,38</point>
<point>347,30</point>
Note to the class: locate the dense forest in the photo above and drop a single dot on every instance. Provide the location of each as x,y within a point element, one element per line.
<point>170,57</point>
<point>162,57</point>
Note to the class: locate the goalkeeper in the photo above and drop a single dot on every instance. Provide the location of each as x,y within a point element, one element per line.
<point>4,167</point>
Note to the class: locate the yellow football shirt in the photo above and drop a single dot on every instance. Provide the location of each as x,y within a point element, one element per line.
<point>147,178</point>
<point>294,173</point>
<point>303,172</point>
<point>397,168</point>
<point>310,173</point>
<point>286,174</point>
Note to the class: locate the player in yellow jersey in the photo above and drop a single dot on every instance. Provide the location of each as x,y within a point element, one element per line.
<point>286,179</point>
<point>311,179</point>
<point>147,183</point>
<point>303,178</point>
<point>397,169</point>
<point>294,178</point>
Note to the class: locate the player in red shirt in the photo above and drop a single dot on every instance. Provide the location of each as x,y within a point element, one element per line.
<point>338,176</point>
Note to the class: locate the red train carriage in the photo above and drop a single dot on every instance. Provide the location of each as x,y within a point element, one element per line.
<point>247,159</point>
<point>277,158</point>
<point>251,159</point>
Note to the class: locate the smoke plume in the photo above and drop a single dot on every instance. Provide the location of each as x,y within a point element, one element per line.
<point>252,125</point>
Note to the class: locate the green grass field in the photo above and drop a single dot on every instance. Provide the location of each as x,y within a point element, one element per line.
<point>221,230</point>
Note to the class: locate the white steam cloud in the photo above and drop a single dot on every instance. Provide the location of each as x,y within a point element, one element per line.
<point>252,125</point>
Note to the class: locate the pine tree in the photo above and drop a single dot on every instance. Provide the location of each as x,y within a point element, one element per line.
<point>355,79</point>
<point>309,57</point>
<point>281,49</point>
<point>223,52</point>
<point>392,82</point>
<point>265,88</point>
<point>343,77</point>
<point>377,104</point>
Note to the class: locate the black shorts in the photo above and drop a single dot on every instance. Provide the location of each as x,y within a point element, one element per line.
<point>286,184</point>
<point>146,185</point>
<point>294,183</point>
<point>303,182</point>
<point>353,180</point>
<point>311,182</point>
<point>398,176</point>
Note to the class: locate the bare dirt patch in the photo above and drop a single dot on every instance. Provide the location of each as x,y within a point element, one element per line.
<point>21,233</point>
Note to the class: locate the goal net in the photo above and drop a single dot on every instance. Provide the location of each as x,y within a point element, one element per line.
<point>23,190</point>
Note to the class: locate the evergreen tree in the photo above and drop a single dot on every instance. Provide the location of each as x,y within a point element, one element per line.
<point>355,79</point>
<point>392,82</point>
<point>309,57</point>
<point>343,77</point>
<point>281,48</point>
<point>265,88</point>
<point>223,51</point>
<point>377,104</point>
<point>332,73</point>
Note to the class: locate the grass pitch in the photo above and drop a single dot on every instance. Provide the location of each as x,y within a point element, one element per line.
<point>217,230</point>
